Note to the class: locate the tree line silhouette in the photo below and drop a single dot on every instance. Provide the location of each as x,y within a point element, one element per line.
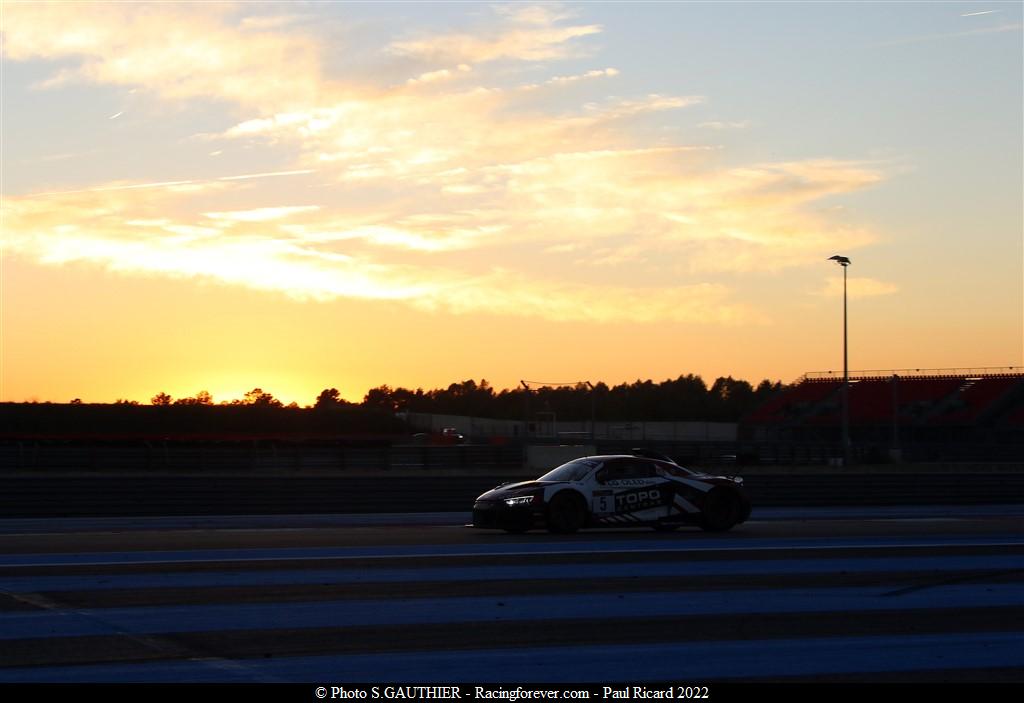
<point>256,397</point>
<point>684,398</point>
<point>383,409</point>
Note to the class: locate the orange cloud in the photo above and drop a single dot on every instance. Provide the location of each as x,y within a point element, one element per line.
<point>424,188</point>
<point>117,230</point>
<point>532,33</point>
<point>177,52</point>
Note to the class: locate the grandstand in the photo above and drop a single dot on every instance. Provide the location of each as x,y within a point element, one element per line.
<point>945,411</point>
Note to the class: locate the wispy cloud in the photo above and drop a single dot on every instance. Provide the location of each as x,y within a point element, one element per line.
<point>260,258</point>
<point>272,22</point>
<point>195,184</point>
<point>268,174</point>
<point>983,12</point>
<point>597,73</point>
<point>442,192</point>
<point>530,33</point>
<point>739,124</point>
<point>115,186</point>
<point>262,214</point>
<point>443,74</point>
<point>173,51</point>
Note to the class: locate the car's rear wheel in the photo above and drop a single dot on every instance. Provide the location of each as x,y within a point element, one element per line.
<point>566,513</point>
<point>721,511</point>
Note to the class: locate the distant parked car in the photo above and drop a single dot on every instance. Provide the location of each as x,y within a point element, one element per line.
<point>452,435</point>
<point>622,490</point>
<point>447,435</point>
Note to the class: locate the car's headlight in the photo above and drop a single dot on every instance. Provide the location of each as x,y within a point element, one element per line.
<point>521,500</point>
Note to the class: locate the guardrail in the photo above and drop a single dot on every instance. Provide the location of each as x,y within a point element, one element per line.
<point>101,495</point>
<point>213,457</point>
<point>253,456</point>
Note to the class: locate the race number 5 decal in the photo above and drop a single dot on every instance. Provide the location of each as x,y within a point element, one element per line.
<point>604,503</point>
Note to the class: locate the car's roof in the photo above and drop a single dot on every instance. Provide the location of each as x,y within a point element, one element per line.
<point>606,457</point>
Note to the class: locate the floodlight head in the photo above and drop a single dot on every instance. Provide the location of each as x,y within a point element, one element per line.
<point>841,260</point>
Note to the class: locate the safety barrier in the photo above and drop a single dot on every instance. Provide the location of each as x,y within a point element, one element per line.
<point>111,494</point>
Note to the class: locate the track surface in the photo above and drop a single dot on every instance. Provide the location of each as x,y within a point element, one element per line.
<point>897,594</point>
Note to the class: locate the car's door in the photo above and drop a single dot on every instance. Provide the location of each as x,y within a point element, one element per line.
<point>630,489</point>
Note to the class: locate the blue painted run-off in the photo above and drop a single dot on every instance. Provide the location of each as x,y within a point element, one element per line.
<point>696,663</point>
<point>498,545</point>
<point>683,570</point>
<point>418,611</point>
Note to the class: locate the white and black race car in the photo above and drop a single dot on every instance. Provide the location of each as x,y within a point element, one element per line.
<point>620,490</point>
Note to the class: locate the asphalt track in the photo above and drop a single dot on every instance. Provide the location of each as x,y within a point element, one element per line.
<point>922,593</point>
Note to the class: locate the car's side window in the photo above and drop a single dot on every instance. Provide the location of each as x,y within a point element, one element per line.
<point>616,470</point>
<point>611,471</point>
<point>636,468</point>
<point>648,469</point>
<point>621,469</point>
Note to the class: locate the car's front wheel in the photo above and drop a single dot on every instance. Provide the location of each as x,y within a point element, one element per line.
<point>721,511</point>
<point>566,513</point>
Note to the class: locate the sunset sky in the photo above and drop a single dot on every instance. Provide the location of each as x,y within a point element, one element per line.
<point>299,196</point>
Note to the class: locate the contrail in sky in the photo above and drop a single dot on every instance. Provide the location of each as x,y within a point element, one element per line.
<point>266,175</point>
<point>165,184</point>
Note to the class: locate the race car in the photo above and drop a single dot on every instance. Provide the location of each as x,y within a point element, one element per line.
<point>621,490</point>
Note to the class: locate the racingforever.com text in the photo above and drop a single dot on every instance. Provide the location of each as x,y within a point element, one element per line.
<point>511,694</point>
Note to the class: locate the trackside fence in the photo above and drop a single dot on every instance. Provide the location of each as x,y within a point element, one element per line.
<point>105,494</point>
<point>211,457</point>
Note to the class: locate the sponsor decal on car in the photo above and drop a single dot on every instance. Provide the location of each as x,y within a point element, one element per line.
<point>619,482</point>
<point>603,503</point>
<point>641,499</point>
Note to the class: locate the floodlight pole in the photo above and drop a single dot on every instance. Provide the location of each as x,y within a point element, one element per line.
<point>526,410</point>
<point>846,381</point>
<point>844,262</point>
<point>591,387</point>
